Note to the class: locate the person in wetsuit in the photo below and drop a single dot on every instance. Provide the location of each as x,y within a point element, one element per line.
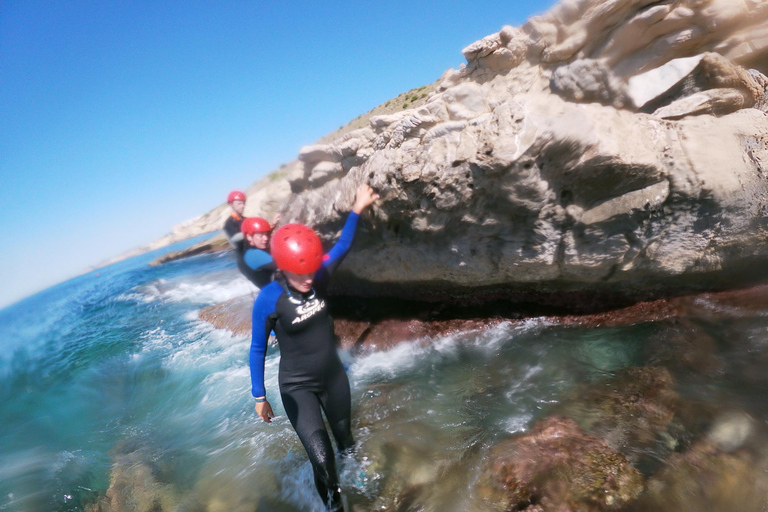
<point>232,228</point>
<point>311,376</point>
<point>258,265</point>
<point>236,201</point>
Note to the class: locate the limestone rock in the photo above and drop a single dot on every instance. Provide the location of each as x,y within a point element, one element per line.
<point>494,187</point>
<point>587,81</point>
<point>637,35</point>
<point>715,86</point>
<point>539,190</point>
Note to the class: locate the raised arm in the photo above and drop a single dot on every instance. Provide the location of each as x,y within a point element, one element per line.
<point>363,199</point>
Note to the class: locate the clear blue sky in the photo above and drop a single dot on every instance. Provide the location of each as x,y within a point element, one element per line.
<point>120,119</point>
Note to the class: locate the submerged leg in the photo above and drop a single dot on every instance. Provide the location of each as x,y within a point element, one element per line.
<point>303,410</point>
<point>336,403</point>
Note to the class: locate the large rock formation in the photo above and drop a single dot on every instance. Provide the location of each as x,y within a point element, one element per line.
<point>530,172</point>
<point>604,148</point>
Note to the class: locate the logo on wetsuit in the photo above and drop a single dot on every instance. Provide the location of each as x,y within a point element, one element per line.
<point>308,309</point>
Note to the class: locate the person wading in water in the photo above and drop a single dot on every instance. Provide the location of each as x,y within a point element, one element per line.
<point>258,266</point>
<point>233,229</point>
<point>311,376</point>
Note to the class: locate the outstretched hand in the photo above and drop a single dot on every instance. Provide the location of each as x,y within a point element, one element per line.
<point>364,198</point>
<point>264,410</point>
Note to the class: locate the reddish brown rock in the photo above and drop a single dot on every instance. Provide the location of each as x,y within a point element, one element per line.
<point>386,333</point>
<point>233,315</point>
<point>378,324</point>
<point>557,466</point>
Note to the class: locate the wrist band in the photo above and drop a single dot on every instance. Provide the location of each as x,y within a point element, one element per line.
<point>261,400</point>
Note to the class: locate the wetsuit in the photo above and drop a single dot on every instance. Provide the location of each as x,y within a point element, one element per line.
<point>311,375</point>
<point>259,267</point>
<point>237,241</point>
<point>234,234</point>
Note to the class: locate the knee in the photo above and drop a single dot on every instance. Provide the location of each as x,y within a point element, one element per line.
<point>320,453</point>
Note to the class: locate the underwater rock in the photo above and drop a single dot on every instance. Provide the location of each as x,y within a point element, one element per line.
<point>630,412</point>
<point>707,478</point>
<point>134,487</point>
<point>557,466</point>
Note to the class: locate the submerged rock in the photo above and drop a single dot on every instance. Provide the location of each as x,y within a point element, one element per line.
<point>707,478</point>
<point>135,487</point>
<point>557,466</point>
<point>632,412</point>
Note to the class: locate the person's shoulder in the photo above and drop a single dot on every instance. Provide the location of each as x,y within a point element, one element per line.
<point>268,296</point>
<point>257,257</point>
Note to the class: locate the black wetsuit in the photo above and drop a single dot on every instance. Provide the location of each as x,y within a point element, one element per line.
<point>311,375</point>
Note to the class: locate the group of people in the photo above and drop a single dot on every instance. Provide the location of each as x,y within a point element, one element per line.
<point>293,274</point>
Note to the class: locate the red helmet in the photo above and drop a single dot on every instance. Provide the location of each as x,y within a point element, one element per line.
<point>235,195</point>
<point>296,248</point>
<point>253,225</point>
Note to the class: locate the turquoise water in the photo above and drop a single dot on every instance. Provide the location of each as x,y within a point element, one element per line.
<point>112,377</point>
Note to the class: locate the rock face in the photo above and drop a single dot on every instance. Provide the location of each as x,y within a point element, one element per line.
<point>530,170</point>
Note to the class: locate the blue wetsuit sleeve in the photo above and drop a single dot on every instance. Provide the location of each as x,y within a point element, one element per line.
<point>342,246</point>
<point>256,258</point>
<point>262,309</point>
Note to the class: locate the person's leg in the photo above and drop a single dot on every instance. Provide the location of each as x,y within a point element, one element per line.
<point>336,402</point>
<point>303,410</point>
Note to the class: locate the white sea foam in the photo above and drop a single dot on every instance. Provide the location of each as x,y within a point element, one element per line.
<point>518,423</point>
<point>299,489</point>
<point>211,289</point>
<point>406,356</point>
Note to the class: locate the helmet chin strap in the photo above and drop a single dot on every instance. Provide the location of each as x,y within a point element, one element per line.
<point>291,297</point>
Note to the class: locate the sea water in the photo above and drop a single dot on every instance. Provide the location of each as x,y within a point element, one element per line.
<point>111,379</point>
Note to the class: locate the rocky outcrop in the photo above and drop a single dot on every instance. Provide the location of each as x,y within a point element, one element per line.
<point>216,243</point>
<point>530,175</point>
<point>529,170</point>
